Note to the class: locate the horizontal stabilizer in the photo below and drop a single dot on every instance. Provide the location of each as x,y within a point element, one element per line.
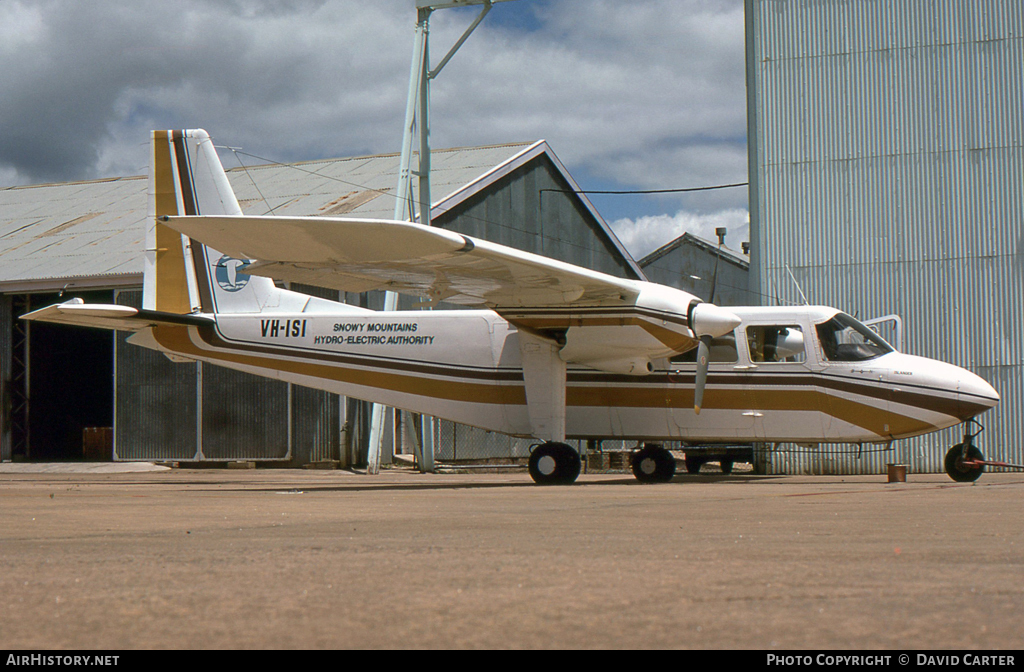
<point>105,316</point>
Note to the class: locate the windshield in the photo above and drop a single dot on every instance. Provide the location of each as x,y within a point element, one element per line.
<point>844,339</point>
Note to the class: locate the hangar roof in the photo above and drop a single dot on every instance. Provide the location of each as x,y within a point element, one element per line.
<point>91,234</point>
<point>696,241</point>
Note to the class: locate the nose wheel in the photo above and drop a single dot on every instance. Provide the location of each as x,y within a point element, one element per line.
<point>959,465</point>
<point>964,462</point>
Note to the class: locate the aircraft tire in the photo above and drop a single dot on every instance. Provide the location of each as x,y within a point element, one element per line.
<point>957,471</point>
<point>693,464</point>
<point>554,463</point>
<point>726,466</point>
<point>653,464</point>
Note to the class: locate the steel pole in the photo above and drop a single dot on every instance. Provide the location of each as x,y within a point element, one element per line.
<point>403,210</point>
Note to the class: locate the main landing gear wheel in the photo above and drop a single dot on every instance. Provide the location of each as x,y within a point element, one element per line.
<point>653,464</point>
<point>554,463</point>
<point>693,464</point>
<point>960,472</point>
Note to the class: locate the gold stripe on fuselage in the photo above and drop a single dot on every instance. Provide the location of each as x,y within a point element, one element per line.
<point>659,392</point>
<point>179,340</point>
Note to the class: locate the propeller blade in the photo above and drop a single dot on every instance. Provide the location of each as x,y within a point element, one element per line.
<point>707,321</point>
<point>703,358</point>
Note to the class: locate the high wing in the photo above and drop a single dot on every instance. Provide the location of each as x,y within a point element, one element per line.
<point>607,323</point>
<point>102,316</point>
<point>358,255</point>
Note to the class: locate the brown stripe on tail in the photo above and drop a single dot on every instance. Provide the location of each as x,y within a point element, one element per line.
<point>171,294</point>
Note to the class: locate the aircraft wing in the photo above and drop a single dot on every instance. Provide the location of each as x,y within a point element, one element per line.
<point>123,318</point>
<point>358,255</point>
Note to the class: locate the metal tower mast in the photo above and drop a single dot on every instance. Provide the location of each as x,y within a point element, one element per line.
<point>417,126</point>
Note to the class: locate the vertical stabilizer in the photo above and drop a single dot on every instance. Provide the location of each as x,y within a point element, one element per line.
<point>181,276</point>
<point>166,286</point>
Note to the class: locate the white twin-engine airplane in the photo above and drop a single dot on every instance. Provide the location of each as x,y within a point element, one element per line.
<point>562,351</point>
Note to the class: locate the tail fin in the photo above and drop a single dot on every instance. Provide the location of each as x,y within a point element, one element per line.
<point>182,276</point>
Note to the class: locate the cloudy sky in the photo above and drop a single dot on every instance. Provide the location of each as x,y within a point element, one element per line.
<point>646,94</point>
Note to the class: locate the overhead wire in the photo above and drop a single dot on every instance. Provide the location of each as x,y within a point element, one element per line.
<point>235,151</point>
<point>389,192</point>
<point>650,191</point>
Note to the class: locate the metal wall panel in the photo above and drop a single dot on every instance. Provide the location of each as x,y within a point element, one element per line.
<point>317,416</point>
<point>6,331</point>
<point>154,400</point>
<point>316,429</point>
<point>245,417</point>
<point>887,164</point>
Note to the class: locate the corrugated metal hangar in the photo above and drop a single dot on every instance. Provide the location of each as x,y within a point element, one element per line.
<point>886,161</point>
<point>86,239</point>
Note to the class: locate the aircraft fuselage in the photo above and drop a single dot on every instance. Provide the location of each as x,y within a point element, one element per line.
<point>772,379</point>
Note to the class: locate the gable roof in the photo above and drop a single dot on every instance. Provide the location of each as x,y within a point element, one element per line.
<point>691,240</point>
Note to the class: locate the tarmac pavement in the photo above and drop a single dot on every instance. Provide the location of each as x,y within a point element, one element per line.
<point>274,558</point>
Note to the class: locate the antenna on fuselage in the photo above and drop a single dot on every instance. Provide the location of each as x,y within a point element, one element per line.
<point>793,278</point>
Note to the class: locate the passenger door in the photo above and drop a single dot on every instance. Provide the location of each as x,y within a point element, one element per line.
<point>784,402</point>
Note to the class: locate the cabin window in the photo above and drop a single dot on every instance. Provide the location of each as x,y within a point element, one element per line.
<point>844,339</point>
<point>723,351</point>
<point>775,343</point>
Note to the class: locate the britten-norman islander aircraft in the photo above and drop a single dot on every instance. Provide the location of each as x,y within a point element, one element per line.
<point>560,351</point>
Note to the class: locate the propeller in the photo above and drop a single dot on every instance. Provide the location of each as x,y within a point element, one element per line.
<point>703,357</point>
<point>710,322</point>
<point>707,321</point>
<point>704,345</point>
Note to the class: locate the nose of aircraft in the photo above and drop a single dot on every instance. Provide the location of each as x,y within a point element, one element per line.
<point>974,394</point>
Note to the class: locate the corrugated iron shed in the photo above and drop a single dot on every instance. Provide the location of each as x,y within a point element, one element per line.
<point>887,173</point>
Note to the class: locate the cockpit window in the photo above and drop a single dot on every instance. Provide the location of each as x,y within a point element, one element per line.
<point>844,339</point>
<point>775,343</point>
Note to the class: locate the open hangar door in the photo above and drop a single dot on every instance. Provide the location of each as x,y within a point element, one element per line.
<point>60,382</point>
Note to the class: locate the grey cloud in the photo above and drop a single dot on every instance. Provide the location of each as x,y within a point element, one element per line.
<point>644,94</point>
<point>100,67</point>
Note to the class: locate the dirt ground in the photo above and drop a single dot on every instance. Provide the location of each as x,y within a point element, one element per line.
<point>227,559</point>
